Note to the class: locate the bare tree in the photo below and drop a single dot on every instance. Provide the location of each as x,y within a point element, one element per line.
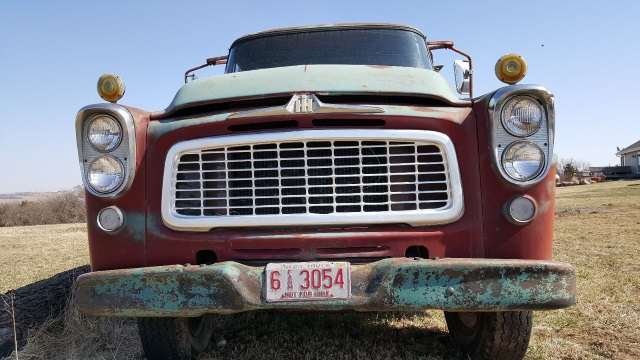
<point>568,168</point>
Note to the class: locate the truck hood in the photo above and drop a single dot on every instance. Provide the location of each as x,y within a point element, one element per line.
<point>317,79</point>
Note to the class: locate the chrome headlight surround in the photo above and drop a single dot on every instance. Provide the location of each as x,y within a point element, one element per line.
<point>542,137</point>
<point>124,151</point>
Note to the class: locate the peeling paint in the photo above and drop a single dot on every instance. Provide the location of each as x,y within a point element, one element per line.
<point>387,285</point>
<point>135,227</point>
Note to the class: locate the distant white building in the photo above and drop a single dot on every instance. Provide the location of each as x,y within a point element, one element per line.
<point>630,156</point>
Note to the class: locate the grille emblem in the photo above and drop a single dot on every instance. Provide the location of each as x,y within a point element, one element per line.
<point>303,104</point>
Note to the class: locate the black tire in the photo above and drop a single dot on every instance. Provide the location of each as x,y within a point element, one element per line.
<point>491,335</point>
<point>174,338</point>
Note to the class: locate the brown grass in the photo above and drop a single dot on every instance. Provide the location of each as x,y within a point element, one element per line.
<point>32,253</point>
<point>597,230</point>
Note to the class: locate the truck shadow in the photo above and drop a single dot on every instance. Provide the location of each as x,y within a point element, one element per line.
<point>345,335</point>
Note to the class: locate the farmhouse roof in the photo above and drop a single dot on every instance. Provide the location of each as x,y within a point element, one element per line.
<point>629,149</point>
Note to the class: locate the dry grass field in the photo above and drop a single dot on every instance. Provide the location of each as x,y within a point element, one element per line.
<point>32,253</point>
<point>597,230</point>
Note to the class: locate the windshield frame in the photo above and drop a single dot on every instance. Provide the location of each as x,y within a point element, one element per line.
<point>360,44</point>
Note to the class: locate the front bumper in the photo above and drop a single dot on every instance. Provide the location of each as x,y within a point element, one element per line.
<point>397,284</point>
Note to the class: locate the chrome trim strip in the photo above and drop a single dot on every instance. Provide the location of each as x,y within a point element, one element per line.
<point>427,217</point>
<point>125,151</point>
<point>500,138</point>
<point>305,104</point>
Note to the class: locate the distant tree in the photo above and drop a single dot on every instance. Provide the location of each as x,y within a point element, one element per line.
<point>568,168</point>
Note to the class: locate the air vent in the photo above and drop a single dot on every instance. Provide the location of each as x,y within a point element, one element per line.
<point>353,123</point>
<point>270,125</point>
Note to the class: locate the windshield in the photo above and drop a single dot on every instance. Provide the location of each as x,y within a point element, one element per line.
<point>385,47</point>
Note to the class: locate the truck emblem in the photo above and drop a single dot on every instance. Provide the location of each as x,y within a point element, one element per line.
<point>302,104</point>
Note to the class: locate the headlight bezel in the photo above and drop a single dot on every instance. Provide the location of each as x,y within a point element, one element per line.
<point>124,152</point>
<point>501,139</point>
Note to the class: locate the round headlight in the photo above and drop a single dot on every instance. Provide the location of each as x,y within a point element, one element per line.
<point>522,116</point>
<point>105,174</point>
<point>104,133</point>
<point>523,160</point>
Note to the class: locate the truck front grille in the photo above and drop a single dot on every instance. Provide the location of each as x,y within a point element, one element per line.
<point>307,177</point>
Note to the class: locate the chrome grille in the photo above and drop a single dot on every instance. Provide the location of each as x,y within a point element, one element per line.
<point>290,177</point>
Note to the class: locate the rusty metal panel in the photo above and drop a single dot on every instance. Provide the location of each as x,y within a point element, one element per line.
<point>388,285</point>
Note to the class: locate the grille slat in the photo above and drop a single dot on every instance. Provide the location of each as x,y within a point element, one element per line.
<point>347,177</point>
<point>274,179</point>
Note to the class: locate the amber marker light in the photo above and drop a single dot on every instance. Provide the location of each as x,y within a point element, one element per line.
<point>511,68</point>
<point>110,87</point>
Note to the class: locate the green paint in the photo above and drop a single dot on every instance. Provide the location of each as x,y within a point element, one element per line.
<point>135,227</point>
<point>329,79</point>
<point>386,285</point>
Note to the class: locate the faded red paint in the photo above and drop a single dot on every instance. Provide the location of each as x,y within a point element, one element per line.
<point>503,239</point>
<point>125,248</point>
<point>483,231</point>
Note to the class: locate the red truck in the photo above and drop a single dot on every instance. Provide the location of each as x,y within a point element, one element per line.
<point>329,168</point>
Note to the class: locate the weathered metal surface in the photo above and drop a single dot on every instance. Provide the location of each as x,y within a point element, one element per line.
<point>460,239</point>
<point>386,285</point>
<point>124,248</point>
<point>336,79</point>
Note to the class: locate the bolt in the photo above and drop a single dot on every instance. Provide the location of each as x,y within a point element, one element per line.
<point>450,291</point>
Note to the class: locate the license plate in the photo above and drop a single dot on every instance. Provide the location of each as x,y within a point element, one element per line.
<point>306,281</point>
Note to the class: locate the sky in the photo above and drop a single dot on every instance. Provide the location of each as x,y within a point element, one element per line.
<point>53,52</point>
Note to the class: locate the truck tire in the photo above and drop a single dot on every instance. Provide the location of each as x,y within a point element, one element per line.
<point>491,335</point>
<point>174,338</point>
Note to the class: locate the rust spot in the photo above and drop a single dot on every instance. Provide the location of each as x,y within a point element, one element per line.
<point>380,66</point>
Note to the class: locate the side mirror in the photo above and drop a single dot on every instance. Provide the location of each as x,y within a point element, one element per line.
<point>463,76</point>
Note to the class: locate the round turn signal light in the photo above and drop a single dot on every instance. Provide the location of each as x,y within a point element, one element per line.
<point>111,87</point>
<point>511,68</point>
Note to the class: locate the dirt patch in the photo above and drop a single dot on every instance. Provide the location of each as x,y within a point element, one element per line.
<point>569,212</point>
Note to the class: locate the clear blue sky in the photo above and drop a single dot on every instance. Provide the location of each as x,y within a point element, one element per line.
<point>52,53</point>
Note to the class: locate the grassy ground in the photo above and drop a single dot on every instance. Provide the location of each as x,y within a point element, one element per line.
<point>597,230</point>
<point>32,253</point>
